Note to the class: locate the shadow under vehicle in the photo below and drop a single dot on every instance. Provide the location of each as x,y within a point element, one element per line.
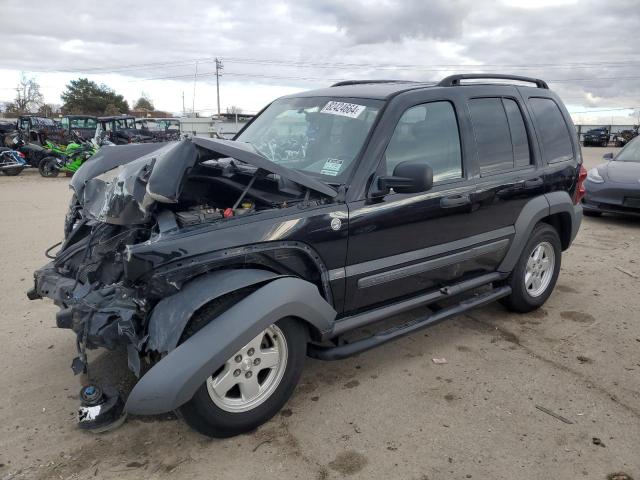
<point>221,264</point>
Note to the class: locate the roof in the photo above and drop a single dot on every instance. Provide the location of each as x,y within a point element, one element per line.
<point>377,91</point>
<point>79,116</point>
<point>115,117</point>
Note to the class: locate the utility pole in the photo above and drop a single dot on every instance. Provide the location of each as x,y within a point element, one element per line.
<point>195,79</point>
<point>219,67</point>
<point>183,110</point>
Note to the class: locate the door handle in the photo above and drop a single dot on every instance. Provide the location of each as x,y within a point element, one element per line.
<point>455,201</point>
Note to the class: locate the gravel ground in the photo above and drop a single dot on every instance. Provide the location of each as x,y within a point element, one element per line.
<point>388,413</point>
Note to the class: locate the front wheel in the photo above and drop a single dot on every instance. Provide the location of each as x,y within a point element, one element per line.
<point>48,167</point>
<point>536,272</point>
<point>252,385</point>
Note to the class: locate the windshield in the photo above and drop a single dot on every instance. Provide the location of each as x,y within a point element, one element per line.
<point>320,135</point>
<point>630,153</point>
<point>83,122</point>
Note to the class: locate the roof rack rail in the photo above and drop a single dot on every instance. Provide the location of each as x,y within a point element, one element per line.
<point>359,82</point>
<point>454,80</point>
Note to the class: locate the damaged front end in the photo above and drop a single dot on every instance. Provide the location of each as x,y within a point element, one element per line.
<point>139,196</point>
<point>86,281</point>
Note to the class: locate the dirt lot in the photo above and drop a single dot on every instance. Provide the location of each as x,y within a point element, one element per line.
<point>388,413</point>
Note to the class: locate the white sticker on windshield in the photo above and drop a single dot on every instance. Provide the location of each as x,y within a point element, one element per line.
<point>350,110</point>
<point>331,167</point>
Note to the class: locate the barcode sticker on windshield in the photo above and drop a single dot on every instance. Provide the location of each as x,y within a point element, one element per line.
<point>331,167</point>
<point>350,110</point>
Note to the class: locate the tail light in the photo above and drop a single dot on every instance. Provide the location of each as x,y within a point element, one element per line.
<point>580,191</point>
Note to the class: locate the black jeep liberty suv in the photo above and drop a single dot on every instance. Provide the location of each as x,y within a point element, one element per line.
<point>220,265</point>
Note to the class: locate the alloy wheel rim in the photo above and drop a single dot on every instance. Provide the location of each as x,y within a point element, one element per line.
<point>252,374</point>
<point>539,269</point>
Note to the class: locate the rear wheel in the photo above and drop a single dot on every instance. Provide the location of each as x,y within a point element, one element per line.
<point>536,272</point>
<point>48,167</point>
<point>12,172</point>
<point>252,385</point>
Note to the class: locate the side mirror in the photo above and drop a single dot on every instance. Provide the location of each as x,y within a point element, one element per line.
<point>408,177</point>
<point>607,156</point>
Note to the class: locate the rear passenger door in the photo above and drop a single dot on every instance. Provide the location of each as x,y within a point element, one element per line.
<point>506,164</point>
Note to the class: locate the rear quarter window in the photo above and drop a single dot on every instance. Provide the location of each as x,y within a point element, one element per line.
<point>554,134</point>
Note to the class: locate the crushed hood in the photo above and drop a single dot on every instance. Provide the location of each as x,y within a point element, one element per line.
<point>245,152</point>
<point>120,183</point>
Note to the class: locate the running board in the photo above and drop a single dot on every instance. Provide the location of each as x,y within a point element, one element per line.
<point>384,336</point>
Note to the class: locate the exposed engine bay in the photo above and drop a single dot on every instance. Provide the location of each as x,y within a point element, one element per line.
<point>103,296</point>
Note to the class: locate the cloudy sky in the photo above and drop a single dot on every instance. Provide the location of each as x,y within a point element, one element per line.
<point>587,50</point>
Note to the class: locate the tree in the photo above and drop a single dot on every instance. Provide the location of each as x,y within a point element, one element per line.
<point>28,97</point>
<point>144,103</point>
<point>83,96</point>
<point>234,110</point>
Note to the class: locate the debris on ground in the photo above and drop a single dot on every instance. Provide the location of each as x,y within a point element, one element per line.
<point>597,441</point>
<point>553,414</point>
<point>619,476</point>
<point>439,361</point>
<point>627,272</point>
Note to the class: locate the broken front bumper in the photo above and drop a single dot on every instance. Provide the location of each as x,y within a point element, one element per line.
<point>100,316</point>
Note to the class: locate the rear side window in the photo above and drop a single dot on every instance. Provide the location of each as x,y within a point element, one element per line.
<point>521,157</point>
<point>428,133</point>
<point>554,133</point>
<point>501,136</point>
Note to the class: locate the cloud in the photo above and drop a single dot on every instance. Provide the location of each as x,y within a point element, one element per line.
<point>586,49</point>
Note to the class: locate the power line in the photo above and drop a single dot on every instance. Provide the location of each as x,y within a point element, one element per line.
<point>606,110</point>
<point>336,65</point>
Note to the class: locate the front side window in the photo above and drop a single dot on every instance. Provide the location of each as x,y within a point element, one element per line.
<point>427,133</point>
<point>318,135</point>
<point>554,133</point>
<point>83,122</point>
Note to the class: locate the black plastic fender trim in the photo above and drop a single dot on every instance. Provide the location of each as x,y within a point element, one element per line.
<point>171,314</point>
<point>175,378</point>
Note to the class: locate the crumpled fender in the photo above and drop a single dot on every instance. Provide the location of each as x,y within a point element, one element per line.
<point>171,314</point>
<point>175,379</point>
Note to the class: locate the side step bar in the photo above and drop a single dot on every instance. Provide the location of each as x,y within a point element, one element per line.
<point>380,338</point>
<point>360,320</point>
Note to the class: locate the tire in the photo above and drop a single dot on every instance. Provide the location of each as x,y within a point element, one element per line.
<point>591,213</point>
<point>12,172</point>
<point>216,416</point>
<point>545,241</point>
<point>48,167</point>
